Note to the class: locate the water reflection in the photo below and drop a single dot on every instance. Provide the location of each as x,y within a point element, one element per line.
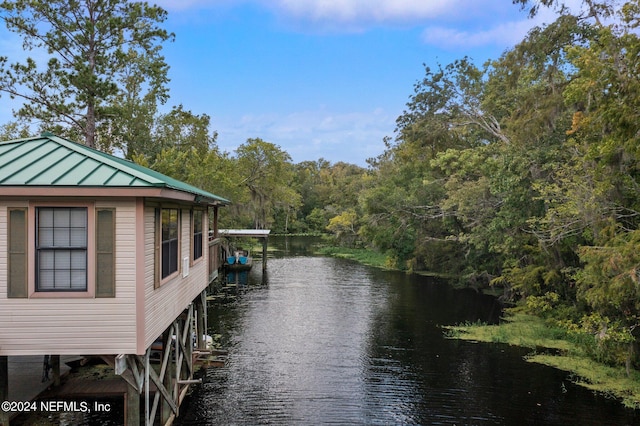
<point>237,278</point>
<point>328,341</point>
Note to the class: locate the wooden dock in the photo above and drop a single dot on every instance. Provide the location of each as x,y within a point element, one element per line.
<point>87,388</point>
<point>262,234</point>
<point>95,381</point>
<point>25,376</point>
<point>159,388</point>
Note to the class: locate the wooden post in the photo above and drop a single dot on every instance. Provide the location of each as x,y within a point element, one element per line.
<point>4,388</point>
<point>264,254</point>
<point>165,408</point>
<point>216,248</point>
<point>215,221</point>
<point>188,355</point>
<point>200,330</point>
<point>177,364</point>
<point>55,367</point>
<point>205,318</point>
<point>188,346</point>
<point>132,406</point>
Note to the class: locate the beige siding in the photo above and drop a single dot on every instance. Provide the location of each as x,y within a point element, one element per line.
<point>69,326</point>
<point>87,326</point>
<point>164,304</point>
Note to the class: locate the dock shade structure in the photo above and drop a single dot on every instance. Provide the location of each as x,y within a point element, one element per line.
<point>262,234</point>
<point>103,256</point>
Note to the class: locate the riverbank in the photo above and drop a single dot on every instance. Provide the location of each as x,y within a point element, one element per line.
<point>372,258</point>
<point>550,346</point>
<point>363,256</point>
<point>556,348</point>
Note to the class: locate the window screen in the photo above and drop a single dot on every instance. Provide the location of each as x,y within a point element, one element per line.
<point>169,241</point>
<point>197,234</point>
<point>61,249</point>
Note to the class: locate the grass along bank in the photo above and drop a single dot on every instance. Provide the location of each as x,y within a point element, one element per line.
<point>360,255</point>
<point>551,346</point>
<point>376,259</point>
<point>557,348</point>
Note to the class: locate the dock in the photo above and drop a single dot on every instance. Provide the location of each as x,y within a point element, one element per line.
<point>25,377</point>
<point>25,380</point>
<point>87,388</point>
<point>262,234</point>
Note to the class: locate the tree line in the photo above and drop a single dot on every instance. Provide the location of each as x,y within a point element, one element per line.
<point>521,174</point>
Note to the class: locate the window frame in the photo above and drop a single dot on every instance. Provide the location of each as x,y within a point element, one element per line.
<point>54,248</point>
<point>194,236</point>
<point>33,290</point>
<point>161,278</point>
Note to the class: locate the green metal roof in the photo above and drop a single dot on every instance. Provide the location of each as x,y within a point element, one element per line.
<point>49,160</point>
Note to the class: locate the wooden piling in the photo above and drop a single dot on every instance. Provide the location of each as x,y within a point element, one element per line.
<point>55,368</point>
<point>165,408</point>
<point>4,388</point>
<point>264,254</point>
<point>200,328</point>
<point>132,406</point>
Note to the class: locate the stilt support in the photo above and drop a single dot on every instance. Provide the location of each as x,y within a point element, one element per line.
<point>264,254</point>
<point>55,369</point>
<point>4,388</point>
<point>132,406</point>
<point>170,384</point>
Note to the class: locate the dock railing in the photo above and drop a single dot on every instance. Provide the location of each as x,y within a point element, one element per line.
<point>214,257</point>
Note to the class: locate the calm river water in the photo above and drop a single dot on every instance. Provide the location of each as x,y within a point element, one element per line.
<point>327,341</point>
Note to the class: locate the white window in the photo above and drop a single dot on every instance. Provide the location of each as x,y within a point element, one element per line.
<point>61,249</point>
<point>169,249</point>
<point>197,234</point>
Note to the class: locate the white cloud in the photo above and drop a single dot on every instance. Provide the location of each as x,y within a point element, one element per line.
<point>500,20</point>
<point>345,11</point>
<point>447,23</point>
<point>340,15</point>
<point>506,34</point>
<point>366,11</point>
<point>504,31</point>
<point>309,135</point>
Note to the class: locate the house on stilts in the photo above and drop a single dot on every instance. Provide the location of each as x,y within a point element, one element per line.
<point>103,257</point>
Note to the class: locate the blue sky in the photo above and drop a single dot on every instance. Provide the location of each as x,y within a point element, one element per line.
<point>319,78</point>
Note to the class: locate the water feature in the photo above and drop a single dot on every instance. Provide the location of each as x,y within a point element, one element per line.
<point>327,341</point>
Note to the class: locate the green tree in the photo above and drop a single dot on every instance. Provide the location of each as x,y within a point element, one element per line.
<point>184,147</point>
<point>597,10</point>
<point>136,107</point>
<point>327,190</point>
<point>307,180</point>
<point>210,170</point>
<point>344,226</point>
<point>13,130</point>
<point>266,172</point>
<point>470,151</point>
<point>183,130</point>
<point>610,284</point>
<point>90,45</point>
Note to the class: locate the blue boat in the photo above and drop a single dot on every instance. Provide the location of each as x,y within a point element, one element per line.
<point>241,261</point>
